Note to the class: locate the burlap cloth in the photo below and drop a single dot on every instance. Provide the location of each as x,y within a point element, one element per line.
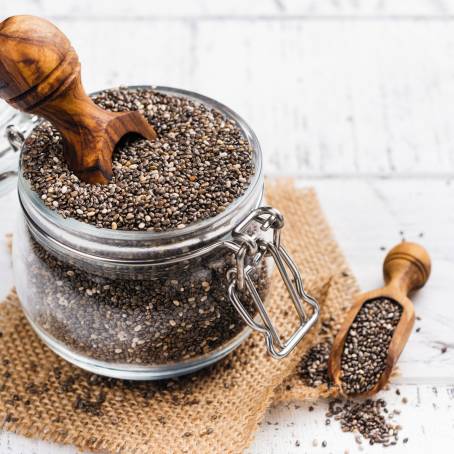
<point>213,411</point>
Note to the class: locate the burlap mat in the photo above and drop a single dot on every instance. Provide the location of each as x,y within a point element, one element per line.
<point>214,411</point>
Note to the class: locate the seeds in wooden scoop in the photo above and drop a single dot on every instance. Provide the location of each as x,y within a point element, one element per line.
<point>366,346</point>
<point>369,419</point>
<point>198,165</point>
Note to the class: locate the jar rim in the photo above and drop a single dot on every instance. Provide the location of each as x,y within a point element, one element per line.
<point>48,220</point>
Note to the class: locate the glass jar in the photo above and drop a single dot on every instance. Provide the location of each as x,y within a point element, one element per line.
<point>152,305</point>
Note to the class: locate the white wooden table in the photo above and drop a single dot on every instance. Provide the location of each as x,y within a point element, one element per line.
<point>354,98</point>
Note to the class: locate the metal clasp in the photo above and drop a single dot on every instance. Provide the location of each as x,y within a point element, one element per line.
<point>15,126</point>
<point>15,137</point>
<point>8,170</point>
<point>254,246</point>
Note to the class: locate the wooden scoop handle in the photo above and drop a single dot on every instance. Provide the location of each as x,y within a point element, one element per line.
<point>406,267</point>
<point>40,74</point>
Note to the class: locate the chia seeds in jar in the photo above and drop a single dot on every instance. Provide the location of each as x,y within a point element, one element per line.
<point>165,269</point>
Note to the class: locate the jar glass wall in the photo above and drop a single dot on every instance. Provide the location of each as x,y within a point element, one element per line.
<point>133,323</point>
<point>150,305</point>
<point>136,304</point>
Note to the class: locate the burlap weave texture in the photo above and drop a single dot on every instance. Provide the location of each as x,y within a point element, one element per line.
<point>214,411</point>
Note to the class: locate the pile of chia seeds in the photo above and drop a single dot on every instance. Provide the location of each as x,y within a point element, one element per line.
<point>366,346</point>
<point>199,164</point>
<point>181,315</point>
<point>369,418</point>
<point>313,368</point>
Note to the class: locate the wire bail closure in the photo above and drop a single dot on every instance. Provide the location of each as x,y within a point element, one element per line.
<point>8,165</point>
<point>239,278</point>
<point>245,246</point>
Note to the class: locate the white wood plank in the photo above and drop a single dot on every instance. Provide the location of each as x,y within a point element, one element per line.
<point>336,99</point>
<point>331,98</point>
<point>427,420</point>
<point>368,8</point>
<point>115,53</point>
<point>233,8</point>
<point>139,9</point>
<point>11,443</point>
<point>368,98</point>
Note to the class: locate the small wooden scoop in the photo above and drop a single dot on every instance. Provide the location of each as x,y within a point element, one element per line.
<point>40,74</point>
<point>406,268</point>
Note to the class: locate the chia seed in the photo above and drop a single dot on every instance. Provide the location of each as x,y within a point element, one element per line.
<point>198,165</point>
<point>369,418</point>
<point>366,346</point>
<point>366,417</point>
<point>134,320</point>
<point>313,368</point>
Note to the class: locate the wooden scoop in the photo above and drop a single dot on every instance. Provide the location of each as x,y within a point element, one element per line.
<point>406,268</point>
<point>40,74</point>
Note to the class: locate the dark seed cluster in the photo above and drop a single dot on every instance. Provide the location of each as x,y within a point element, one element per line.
<point>199,164</point>
<point>366,346</point>
<point>137,320</point>
<point>370,418</point>
<point>313,368</point>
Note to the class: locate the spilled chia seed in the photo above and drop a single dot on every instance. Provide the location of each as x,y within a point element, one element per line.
<point>370,418</point>
<point>90,394</point>
<point>313,368</point>
<point>363,362</point>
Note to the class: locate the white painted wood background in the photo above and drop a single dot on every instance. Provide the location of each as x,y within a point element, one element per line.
<point>353,97</point>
